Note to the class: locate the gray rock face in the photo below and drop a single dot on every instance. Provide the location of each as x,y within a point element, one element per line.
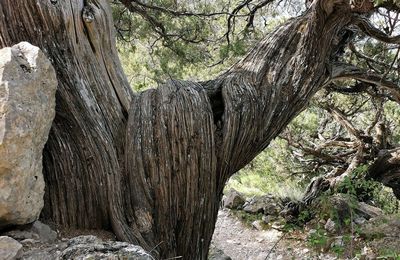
<point>86,247</point>
<point>9,248</point>
<point>27,107</point>
<point>234,200</point>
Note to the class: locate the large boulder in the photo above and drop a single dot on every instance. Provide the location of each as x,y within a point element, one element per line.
<point>27,107</point>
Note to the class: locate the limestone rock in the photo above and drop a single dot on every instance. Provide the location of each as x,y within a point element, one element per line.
<point>234,200</point>
<point>9,248</point>
<point>259,203</point>
<point>86,247</point>
<point>27,107</point>
<point>91,247</point>
<point>331,226</point>
<point>368,211</point>
<point>258,224</point>
<point>272,209</point>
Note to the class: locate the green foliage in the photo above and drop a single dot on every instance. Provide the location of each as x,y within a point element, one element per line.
<point>319,239</point>
<point>246,218</point>
<point>188,47</point>
<point>268,173</point>
<point>391,254</point>
<point>360,189</point>
<point>380,2</point>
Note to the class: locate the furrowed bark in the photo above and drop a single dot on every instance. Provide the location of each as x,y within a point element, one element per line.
<point>156,178</point>
<point>82,157</point>
<point>174,130</point>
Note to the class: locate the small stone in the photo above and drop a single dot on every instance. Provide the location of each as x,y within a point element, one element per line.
<point>267,219</point>
<point>367,253</point>
<point>312,232</point>
<point>331,226</point>
<point>338,242</point>
<point>272,209</point>
<point>359,220</point>
<point>10,248</point>
<point>258,224</point>
<point>277,226</point>
<point>233,200</point>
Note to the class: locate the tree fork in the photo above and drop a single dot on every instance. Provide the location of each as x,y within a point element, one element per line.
<point>156,177</point>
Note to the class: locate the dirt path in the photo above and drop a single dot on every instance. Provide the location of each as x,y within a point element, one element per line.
<point>243,243</point>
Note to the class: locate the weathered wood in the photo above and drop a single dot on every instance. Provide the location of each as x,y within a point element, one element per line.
<point>386,169</point>
<point>156,178</point>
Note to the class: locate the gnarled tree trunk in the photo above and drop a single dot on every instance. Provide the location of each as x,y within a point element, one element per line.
<point>386,169</point>
<point>152,166</point>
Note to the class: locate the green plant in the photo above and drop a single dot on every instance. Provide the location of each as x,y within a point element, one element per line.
<point>389,254</point>
<point>338,250</point>
<point>318,239</point>
<point>245,217</point>
<point>304,216</point>
<point>361,189</point>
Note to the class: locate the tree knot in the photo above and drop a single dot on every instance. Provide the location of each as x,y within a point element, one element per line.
<point>88,14</point>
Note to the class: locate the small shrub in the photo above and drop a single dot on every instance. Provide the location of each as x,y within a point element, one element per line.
<point>318,239</point>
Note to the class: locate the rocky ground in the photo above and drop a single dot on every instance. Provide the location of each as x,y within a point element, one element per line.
<point>241,242</point>
<point>332,228</point>
<point>246,234</point>
<point>40,242</point>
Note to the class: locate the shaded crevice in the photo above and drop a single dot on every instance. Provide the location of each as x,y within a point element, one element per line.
<point>218,108</point>
<point>86,32</point>
<point>213,89</point>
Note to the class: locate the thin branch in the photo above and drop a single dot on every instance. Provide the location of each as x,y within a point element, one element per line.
<point>369,29</point>
<point>348,71</point>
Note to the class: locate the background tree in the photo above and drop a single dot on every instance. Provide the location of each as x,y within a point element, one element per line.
<point>152,166</point>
